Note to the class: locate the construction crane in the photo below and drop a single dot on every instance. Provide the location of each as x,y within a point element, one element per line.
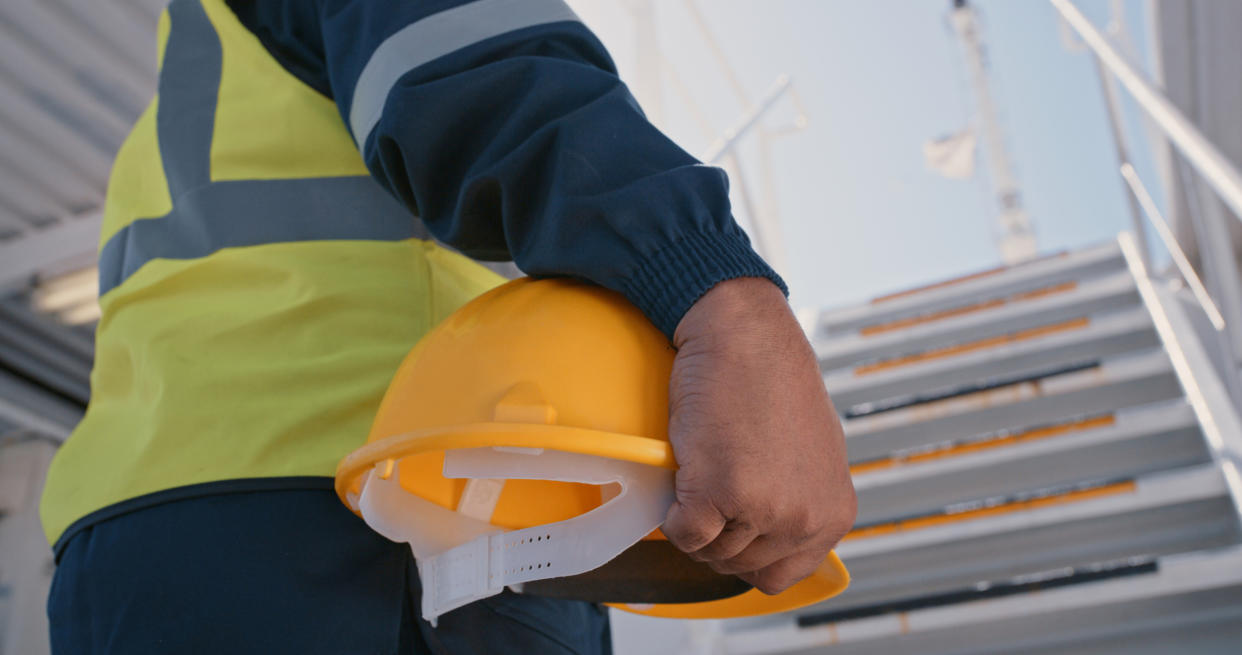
<point>1015,238</point>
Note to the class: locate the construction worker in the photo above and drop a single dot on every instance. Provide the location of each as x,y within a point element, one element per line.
<point>266,260</point>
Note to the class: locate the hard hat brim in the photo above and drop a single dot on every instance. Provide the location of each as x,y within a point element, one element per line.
<point>830,579</point>
<point>625,447</point>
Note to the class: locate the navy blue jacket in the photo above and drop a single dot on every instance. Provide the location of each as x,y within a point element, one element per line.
<point>504,126</point>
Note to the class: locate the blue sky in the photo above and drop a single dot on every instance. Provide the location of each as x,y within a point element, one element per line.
<point>861,215</point>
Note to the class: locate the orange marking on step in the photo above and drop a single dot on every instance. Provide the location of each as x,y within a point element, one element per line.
<point>977,446</point>
<point>981,344</point>
<point>957,280</point>
<point>1047,291</point>
<point>921,522</point>
<point>929,318</point>
<point>911,321</point>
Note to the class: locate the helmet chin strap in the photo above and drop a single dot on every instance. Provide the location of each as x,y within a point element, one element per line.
<point>462,558</point>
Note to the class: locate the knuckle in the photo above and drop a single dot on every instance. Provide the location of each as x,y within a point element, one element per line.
<point>688,537</point>
<point>735,565</point>
<point>748,560</point>
<point>780,507</point>
<point>732,541</point>
<point>735,497</point>
<point>808,520</point>
<point>841,519</point>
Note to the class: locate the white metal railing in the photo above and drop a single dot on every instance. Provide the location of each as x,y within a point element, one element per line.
<point>1224,306</point>
<point>1165,233</point>
<point>1214,400</point>
<point>1208,395</point>
<point>1214,166</point>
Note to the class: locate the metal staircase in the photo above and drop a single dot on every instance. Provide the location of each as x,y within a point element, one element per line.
<point>1045,458</point>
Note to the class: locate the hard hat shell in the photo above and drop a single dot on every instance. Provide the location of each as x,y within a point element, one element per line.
<point>552,364</point>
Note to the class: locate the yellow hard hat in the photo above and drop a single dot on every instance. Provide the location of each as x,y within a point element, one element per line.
<point>524,443</point>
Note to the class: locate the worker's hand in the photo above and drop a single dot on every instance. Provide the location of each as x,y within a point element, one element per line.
<point>763,486</point>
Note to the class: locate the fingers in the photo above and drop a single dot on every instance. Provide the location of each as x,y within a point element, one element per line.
<point>692,526</point>
<point>731,542</point>
<point>783,574</point>
<point>761,552</point>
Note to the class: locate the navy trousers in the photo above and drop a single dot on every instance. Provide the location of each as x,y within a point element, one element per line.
<point>279,572</point>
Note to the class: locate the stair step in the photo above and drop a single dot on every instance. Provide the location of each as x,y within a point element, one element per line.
<point>1115,384</point>
<point>1190,603</point>
<point>1082,339</point>
<point>1113,446</point>
<point>1093,297</point>
<point>973,289</point>
<point>1160,514</point>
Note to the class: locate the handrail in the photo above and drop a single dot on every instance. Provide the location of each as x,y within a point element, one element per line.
<point>1191,149</point>
<point>1214,166</point>
<point>1210,398</point>
<point>1170,242</point>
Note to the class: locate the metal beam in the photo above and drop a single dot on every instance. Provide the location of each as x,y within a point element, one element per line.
<point>40,250</point>
<point>32,409</point>
<point>37,74</point>
<point>74,46</point>
<point>50,139</point>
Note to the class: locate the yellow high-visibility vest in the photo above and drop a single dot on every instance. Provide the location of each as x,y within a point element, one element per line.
<point>258,288</point>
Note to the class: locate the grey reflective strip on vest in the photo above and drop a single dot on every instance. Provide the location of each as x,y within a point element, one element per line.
<point>435,36</point>
<point>189,84</point>
<point>208,216</point>
<point>257,212</point>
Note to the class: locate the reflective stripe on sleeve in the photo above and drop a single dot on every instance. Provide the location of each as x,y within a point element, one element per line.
<point>435,36</point>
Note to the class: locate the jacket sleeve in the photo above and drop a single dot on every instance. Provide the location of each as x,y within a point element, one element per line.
<point>504,126</point>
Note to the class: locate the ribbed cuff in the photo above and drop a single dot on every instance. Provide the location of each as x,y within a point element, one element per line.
<point>674,278</point>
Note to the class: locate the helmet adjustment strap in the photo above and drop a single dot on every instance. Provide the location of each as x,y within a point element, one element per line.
<point>462,558</point>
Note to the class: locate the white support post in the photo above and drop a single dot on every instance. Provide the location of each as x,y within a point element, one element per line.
<point>1111,104</point>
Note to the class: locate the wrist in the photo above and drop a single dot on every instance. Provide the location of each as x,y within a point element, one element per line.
<point>671,280</point>
<point>738,304</point>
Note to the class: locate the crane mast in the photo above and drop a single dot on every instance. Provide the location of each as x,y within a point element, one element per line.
<point>1015,237</point>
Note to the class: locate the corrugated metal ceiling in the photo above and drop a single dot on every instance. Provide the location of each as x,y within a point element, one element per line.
<point>74,74</point>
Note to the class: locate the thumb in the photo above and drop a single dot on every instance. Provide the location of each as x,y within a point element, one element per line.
<point>692,525</point>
